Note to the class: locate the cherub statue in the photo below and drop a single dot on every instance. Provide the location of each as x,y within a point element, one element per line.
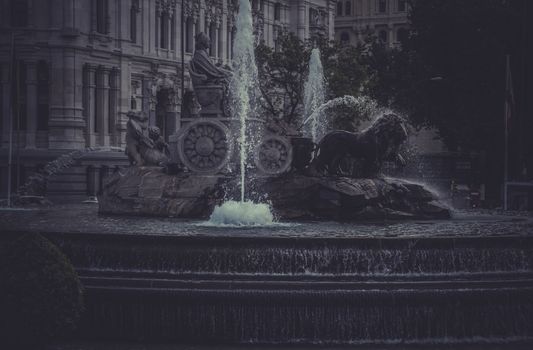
<point>157,152</point>
<point>144,144</point>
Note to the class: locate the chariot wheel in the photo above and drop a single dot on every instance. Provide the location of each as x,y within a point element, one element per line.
<point>204,146</point>
<point>273,155</point>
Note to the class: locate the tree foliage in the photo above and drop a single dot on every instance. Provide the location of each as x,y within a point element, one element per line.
<point>283,72</point>
<point>450,73</point>
<point>41,296</point>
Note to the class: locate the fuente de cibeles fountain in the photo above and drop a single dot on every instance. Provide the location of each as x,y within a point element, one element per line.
<point>231,166</point>
<point>232,233</point>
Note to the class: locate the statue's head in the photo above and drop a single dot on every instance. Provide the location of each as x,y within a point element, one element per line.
<point>390,131</point>
<point>153,132</point>
<point>202,41</point>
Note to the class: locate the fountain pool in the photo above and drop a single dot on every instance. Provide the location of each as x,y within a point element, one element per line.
<point>468,280</point>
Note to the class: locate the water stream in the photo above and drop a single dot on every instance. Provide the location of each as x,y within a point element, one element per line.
<point>244,83</point>
<point>314,97</point>
<point>244,91</point>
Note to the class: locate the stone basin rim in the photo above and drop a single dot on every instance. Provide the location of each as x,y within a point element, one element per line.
<point>229,239</point>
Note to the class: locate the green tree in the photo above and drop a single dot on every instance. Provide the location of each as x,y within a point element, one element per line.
<point>450,71</point>
<point>282,73</point>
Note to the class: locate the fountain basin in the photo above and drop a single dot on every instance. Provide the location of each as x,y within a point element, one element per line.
<point>465,280</point>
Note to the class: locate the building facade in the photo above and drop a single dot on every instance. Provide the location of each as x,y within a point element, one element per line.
<point>83,64</point>
<point>356,19</point>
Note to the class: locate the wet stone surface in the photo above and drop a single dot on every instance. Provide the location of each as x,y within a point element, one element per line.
<point>84,218</point>
<point>149,191</point>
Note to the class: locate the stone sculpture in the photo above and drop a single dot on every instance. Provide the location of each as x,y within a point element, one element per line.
<point>210,82</point>
<point>367,149</point>
<point>144,145</point>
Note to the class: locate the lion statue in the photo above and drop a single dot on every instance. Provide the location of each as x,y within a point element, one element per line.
<point>363,152</point>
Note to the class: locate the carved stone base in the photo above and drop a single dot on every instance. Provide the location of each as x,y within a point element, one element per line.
<point>148,191</point>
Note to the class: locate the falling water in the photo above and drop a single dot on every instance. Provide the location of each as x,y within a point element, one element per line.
<point>314,96</point>
<point>244,82</point>
<point>244,90</point>
<point>361,106</point>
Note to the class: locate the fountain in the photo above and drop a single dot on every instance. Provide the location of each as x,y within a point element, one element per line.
<point>358,258</point>
<point>314,96</point>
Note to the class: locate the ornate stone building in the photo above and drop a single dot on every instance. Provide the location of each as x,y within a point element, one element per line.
<point>83,64</point>
<point>355,19</point>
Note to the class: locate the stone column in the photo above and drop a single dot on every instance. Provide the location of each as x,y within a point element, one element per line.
<point>124,105</point>
<point>169,29</point>
<point>223,45</point>
<point>102,113</point>
<point>90,107</point>
<point>193,31</point>
<point>113,105</point>
<point>207,31</point>
<point>66,124</point>
<point>201,19</point>
<point>31,104</point>
<point>217,36</point>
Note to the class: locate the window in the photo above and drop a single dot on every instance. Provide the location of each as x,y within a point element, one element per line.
<point>401,5</point>
<point>277,11</point>
<point>345,38</point>
<point>19,13</point>
<point>339,8</point>
<point>348,8</point>
<point>43,96</point>
<point>189,29</point>
<point>382,36</point>
<point>212,40</point>
<point>102,16</point>
<point>382,6</point>
<point>133,20</point>
<point>173,33</point>
<point>163,30</point>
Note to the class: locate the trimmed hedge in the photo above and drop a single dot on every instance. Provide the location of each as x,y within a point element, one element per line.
<point>41,297</point>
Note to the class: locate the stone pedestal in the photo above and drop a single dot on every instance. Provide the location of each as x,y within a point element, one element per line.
<point>149,191</point>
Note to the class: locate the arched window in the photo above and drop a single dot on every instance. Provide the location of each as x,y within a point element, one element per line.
<point>401,35</point>
<point>189,39</point>
<point>382,36</point>
<point>348,8</point>
<point>345,37</point>
<point>339,8</point>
